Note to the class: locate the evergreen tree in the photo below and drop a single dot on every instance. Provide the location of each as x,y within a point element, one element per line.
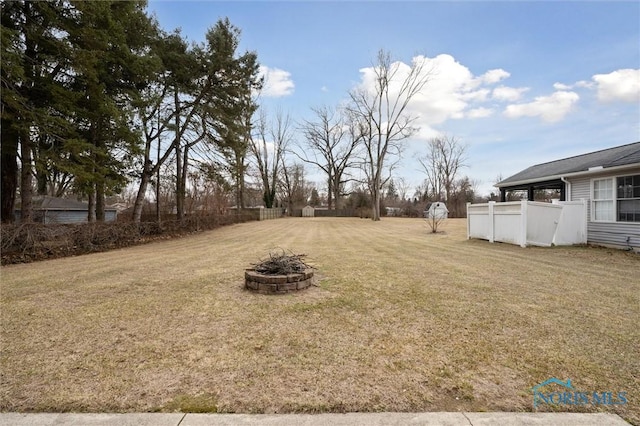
<point>229,108</point>
<point>35,93</point>
<point>110,40</point>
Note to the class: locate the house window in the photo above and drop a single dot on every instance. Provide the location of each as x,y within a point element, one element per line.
<point>603,200</point>
<point>628,198</point>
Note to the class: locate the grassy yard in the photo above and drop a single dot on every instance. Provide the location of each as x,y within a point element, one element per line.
<point>400,320</point>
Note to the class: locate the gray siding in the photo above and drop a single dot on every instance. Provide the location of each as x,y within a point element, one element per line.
<point>619,234</point>
<point>70,216</point>
<point>65,216</point>
<point>580,188</point>
<point>614,234</point>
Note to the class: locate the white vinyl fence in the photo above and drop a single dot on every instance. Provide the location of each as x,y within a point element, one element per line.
<point>572,227</point>
<point>528,222</point>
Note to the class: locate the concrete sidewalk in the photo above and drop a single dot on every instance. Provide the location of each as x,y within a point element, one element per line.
<point>349,419</point>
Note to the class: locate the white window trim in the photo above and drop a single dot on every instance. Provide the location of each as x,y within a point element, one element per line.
<point>614,199</point>
<point>612,179</point>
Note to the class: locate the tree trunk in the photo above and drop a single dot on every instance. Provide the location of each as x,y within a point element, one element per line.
<point>375,196</point>
<point>183,180</point>
<point>26,191</point>
<point>336,192</point>
<point>240,192</point>
<point>142,190</point>
<point>91,208</point>
<point>179,196</point>
<point>26,168</point>
<point>157,182</point>
<point>147,174</point>
<point>376,205</point>
<point>41,180</point>
<point>41,172</point>
<point>9,170</point>
<point>100,202</point>
<point>239,180</point>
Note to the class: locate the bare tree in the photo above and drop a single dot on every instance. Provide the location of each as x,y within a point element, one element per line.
<point>464,191</point>
<point>402,187</point>
<point>268,146</point>
<point>435,216</point>
<point>331,140</point>
<point>154,118</point>
<point>382,113</point>
<point>445,157</point>
<point>294,189</point>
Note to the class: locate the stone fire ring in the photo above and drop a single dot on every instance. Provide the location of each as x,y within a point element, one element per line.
<point>277,284</point>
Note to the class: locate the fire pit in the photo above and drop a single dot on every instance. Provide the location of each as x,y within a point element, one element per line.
<point>279,274</point>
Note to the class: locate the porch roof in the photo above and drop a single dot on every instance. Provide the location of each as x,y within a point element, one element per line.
<point>548,175</point>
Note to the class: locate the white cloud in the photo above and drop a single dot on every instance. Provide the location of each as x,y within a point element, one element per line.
<point>509,94</point>
<point>277,82</point>
<point>452,89</point>
<point>551,108</point>
<point>579,84</point>
<point>454,92</point>
<point>324,89</point>
<point>480,95</point>
<point>582,83</point>
<point>621,85</point>
<point>494,76</point>
<point>562,86</point>
<point>480,112</point>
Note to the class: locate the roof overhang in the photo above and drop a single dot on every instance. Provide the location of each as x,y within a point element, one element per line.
<point>543,179</point>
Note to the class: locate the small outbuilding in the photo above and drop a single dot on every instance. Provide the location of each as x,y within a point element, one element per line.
<point>308,211</point>
<point>48,210</point>
<point>437,210</point>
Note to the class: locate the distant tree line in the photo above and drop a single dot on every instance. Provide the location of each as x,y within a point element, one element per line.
<point>98,100</point>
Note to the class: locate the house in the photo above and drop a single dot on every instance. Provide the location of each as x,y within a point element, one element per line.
<point>609,181</point>
<point>393,211</point>
<point>50,210</point>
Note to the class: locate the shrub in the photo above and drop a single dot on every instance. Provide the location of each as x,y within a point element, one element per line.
<point>30,242</point>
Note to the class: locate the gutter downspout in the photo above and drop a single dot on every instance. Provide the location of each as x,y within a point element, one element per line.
<point>567,194</point>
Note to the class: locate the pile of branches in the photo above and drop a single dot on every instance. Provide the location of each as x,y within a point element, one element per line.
<point>282,264</point>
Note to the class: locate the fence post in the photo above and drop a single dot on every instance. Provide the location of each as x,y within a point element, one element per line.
<point>523,222</point>
<point>585,222</point>
<point>491,222</point>
<point>468,223</point>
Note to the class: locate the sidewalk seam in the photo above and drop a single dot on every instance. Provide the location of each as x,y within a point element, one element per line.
<point>181,419</point>
<point>468,419</point>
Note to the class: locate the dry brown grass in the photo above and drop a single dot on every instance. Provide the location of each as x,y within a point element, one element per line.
<point>401,320</point>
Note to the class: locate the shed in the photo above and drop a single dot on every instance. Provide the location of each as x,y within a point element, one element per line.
<point>308,211</point>
<point>437,210</point>
<point>48,210</point>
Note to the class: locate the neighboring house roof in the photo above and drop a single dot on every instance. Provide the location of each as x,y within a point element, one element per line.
<point>54,203</point>
<point>612,157</point>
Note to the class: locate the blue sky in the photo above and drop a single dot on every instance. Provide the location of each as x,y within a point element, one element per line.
<point>519,82</point>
